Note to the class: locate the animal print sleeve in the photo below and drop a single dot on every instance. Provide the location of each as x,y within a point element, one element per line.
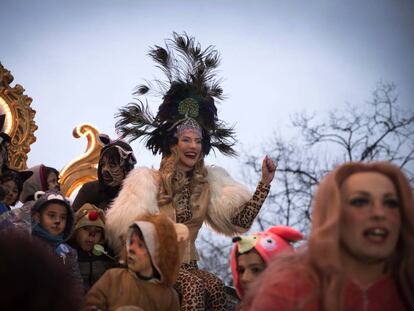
<point>248,212</point>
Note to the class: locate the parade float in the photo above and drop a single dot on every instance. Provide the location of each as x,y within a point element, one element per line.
<point>20,126</point>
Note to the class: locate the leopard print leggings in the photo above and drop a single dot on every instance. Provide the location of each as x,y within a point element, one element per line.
<point>199,289</point>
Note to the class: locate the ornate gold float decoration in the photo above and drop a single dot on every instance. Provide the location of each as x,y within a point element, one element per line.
<point>19,123</point>
<point>84,168</point>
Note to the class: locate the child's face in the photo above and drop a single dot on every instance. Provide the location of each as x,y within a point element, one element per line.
<point>53,218</point>
<point>138,256</point>
<point>88,236</point>
<point>52,181</point>
<point>249,266</point>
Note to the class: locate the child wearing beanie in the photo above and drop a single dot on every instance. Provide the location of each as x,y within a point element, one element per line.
<point>52,223</point>
<point>89,232</point>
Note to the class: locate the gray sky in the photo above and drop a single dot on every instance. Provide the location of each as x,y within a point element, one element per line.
<point>80,60</point>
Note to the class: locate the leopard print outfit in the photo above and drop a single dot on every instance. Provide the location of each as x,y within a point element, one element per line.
<point>200,289</point>
<point>246,215</point>
<point>183,211</point>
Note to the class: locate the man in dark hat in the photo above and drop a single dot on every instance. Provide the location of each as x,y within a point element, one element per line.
<point>116,160</point>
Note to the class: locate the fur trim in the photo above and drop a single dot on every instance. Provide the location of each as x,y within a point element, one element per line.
<point>168,259</point>
<point>163,244</point>
<point>227,196</point>
<point>138,196</point>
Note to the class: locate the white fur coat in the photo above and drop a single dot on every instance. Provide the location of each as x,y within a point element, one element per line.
<point>139,196</point>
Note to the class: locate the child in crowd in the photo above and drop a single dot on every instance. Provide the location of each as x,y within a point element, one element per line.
<point>44,178</point>
<point>53,223</point>
<point>251,253</point>
<point>11,182</point>
<point>89,231</point>
<point>152,254</point>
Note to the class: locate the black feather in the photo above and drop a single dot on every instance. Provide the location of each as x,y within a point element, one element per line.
<point>141,89</point>
<point>134,121</point>
<point>191,73</point>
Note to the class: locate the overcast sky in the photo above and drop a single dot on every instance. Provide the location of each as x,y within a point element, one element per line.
<point>80,60</point>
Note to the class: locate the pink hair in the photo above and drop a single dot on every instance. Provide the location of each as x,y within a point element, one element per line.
<point>319,267</point>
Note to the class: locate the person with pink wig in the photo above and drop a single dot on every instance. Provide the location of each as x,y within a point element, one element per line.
<point>360,252</point>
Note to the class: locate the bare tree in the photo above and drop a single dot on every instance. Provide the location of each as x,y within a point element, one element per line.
<point>214,252</point>
<point>377,130</point>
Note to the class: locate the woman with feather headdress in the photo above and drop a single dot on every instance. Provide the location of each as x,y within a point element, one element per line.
<point>184,131</point>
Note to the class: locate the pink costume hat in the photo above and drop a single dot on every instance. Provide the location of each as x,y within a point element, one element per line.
<point>267,244</point>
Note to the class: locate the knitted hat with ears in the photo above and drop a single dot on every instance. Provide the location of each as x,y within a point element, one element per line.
<point>89,215</point>
<point>111,148</point>
<point>267,244</point>
<point>44,198</point>
<point>125,151</point>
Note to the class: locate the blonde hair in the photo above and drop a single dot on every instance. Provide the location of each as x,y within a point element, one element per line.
<point>172,180</point>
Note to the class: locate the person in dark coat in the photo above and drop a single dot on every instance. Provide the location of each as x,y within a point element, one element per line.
<point>115,162</point>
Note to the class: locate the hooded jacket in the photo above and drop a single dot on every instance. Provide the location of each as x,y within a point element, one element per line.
<point>120,287</point>
<point>36,182</point>
<point>97,192</point>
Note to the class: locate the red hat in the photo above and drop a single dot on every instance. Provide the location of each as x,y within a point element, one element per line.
<point>267,244</point>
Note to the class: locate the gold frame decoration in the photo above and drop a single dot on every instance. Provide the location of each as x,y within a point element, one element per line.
<point>19,123</point>
<point>84,168</point>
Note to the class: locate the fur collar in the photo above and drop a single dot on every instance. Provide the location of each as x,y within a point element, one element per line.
<point>139,196</point>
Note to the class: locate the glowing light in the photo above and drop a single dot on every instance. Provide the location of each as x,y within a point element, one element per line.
<point>8,123</point>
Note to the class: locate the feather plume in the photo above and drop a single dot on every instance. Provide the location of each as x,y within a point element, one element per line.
<point>135,120</point>
<point>191,73</point>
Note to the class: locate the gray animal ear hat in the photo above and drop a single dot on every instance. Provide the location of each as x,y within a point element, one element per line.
<point>42,199</point>
<point>126,154</point>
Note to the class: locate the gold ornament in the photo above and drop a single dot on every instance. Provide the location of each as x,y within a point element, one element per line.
<point>19,123</point>
<point>84,168</point>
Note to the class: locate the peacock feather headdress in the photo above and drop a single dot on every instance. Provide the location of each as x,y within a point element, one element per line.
<point>188,94</point>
